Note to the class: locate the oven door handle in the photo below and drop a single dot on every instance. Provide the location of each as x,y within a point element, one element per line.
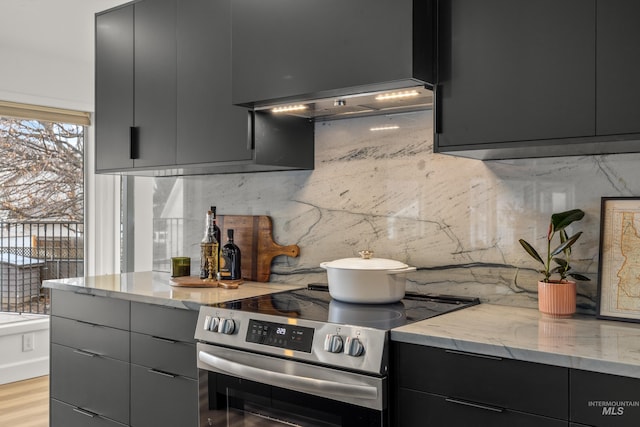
<point>303,384</point>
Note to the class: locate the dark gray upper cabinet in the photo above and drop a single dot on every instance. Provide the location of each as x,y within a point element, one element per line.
<point>136,86</point>
<point>209,126</point>
<point>290,50</point>
<point>114,88</point>
<point>163,97</point>
<point>537,79</point>
<point>618,67</point>
<point>514,71</point>
<point>155,82</point>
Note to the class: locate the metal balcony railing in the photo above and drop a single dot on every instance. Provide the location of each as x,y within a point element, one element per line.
<point>31,252</point>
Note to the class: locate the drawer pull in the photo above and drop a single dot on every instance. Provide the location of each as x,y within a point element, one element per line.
<point>85,293</point>
<point>85,353</point>
<point>481,356</point>
<point>85,413</point>
<point>164,374</point>
<point>474,405</point>
<point>95,325</point>
<point>167,340</point>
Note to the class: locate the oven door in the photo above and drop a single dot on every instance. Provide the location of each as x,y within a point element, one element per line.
<point>239,388</point>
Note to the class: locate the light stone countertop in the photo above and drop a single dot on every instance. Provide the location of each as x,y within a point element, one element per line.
<point>155,288</point>
<point>582,342</point>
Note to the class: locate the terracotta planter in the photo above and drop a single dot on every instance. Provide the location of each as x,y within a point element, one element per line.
<point>557,299</point>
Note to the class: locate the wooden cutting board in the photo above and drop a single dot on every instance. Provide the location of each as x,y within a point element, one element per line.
<point>254,237</point>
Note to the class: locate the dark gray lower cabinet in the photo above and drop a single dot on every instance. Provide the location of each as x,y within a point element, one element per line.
<point>142,372</point>
<point>63,414</point>
<point>90,366</point>
<point>162,399</point>
<point>164,385</point>
<point>94,383</point>
<point>602,400</point>
<point>438,387</point>
<point>424,409</point>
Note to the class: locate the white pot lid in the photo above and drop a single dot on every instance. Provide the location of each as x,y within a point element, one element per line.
<point>365,263</point>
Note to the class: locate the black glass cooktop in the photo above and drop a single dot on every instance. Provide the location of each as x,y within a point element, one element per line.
<point>314,303</point>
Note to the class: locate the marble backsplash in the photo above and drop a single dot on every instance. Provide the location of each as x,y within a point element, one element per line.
<point>457,220</point>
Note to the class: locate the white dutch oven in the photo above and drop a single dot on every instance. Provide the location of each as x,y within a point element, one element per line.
<point>367,280</point>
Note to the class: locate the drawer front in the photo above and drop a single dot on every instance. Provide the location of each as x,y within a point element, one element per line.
<point>102,340</point>
<point>89,308</point>
<point>159,400</point>
<point>174,357</point>
<point>166,322</point>
<point>94,383</point>
<point>505,383</point>
<point>604,400</point>
<point>63,415</point>
<point>417,409</point>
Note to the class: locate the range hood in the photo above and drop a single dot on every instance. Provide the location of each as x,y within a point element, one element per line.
<point>333,56</point>
<point>357,105</point>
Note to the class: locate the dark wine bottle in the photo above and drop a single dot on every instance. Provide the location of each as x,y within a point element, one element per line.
<point>216,229</point>
<point>230,259</point>
<point>217,234</point>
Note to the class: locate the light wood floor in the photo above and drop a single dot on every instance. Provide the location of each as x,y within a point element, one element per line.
<point>25,403</point>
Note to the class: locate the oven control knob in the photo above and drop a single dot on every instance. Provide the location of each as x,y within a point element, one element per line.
<point>207,323</point>
<point>354,347</point>
<point>333,343</point>
<point>227,326</point>
<point>214,323</point>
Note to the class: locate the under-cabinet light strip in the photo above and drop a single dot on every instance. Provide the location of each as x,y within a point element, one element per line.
<point>288,108</point>
<point>384,128</point>
<point>396,95</point>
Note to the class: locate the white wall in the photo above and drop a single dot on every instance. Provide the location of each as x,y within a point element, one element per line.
<point>47,51</point>
<point>21,359</point>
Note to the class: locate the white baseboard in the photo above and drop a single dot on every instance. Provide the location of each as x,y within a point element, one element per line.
<point>24,370</point>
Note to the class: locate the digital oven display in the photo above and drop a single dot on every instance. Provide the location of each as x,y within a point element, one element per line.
<point>290,337</point>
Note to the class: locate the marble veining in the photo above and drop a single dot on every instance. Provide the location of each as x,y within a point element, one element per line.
<point>524,334</point>
<point>457,220</point>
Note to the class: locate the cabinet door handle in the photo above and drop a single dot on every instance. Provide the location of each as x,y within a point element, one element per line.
<point>134,142</point>
<point>251,130</point>
<point>85,353</point>
<point>164,374</point>
<point>474,405</point>
<point>85,413</point>
<point>167,340</point>
<point>437,109</point>
<point>481,356</point>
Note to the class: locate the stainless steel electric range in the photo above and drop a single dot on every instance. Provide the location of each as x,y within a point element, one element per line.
<point>301,358</point>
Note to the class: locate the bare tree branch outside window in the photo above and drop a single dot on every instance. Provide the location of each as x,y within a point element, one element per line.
<point>41,170</point>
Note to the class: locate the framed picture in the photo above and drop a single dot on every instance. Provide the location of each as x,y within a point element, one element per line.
<point>619,263</point>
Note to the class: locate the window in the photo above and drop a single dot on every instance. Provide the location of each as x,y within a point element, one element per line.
<point>41,202</point>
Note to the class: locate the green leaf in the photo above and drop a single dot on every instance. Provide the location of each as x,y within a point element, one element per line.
<point>557,270</point>
<point>564,238</point>
<point>567,244</point>
<point>562,262</point>
<point>578,276</point>
<point>563,219</point>
<point>531,251</point>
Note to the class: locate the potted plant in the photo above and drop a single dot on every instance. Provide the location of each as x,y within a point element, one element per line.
<point>557,297</point>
